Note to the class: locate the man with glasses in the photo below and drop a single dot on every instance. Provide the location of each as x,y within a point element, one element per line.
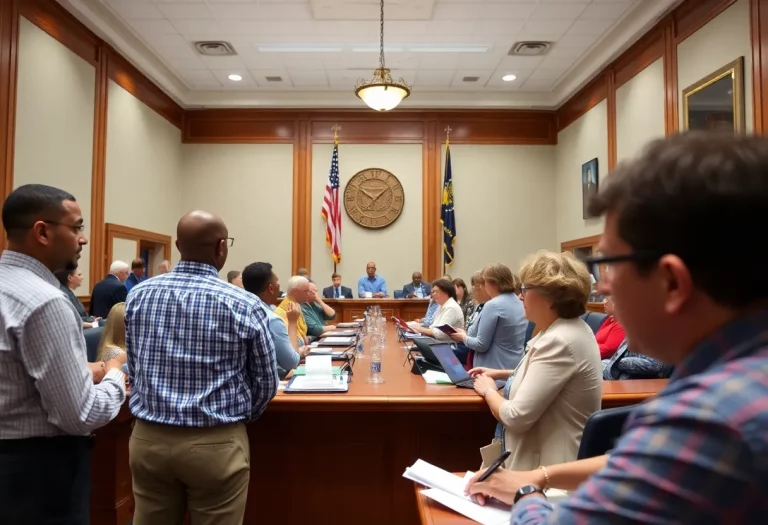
<point>202,364</point>
<point>49,404</point>
<point>698,451</point>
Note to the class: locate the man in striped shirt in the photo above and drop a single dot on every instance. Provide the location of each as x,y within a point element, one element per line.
<point>202,364</point>
<point>49,403</point>
<point>683,267</point>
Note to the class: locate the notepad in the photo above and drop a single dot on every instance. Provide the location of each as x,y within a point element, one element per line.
<point>336,341</point>
<point>433,377</point>
<point>305,384</point>
<point>338,333</point>
<point>302,370</point>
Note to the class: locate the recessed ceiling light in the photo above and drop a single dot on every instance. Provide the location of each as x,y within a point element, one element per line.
<point>235,78</point>
<point>508,78</point>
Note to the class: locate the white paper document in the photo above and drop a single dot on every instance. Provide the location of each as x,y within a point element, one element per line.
<point>433,377</point>
<point>336,341</point>
<point>348,325</point>
<point>303,384</point>
<point>339,333</point>
<point>319,369</point>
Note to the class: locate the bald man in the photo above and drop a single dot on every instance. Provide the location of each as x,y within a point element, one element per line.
<point>371,285</point>
<point>202,363</point>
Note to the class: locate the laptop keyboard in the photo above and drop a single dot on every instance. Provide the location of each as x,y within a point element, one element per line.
<point>467,383</point>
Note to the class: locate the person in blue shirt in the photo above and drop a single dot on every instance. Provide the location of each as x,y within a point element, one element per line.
<point>371,283</point>
<point>137,274</point>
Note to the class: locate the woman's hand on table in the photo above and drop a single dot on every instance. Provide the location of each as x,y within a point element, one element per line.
<point>484,383</point>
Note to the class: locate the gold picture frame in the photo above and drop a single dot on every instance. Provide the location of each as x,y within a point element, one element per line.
<point>716,102</point>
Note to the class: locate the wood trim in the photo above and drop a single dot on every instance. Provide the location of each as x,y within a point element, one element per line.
<point>642,54</point>
<point>301,252</point>
<point>758,15</point>
<point>137,84</point>
<point>610,79</point>
<point>579,104</point>
<point>692,15</point>
<point>431,182</point>
<point>113,231</point>
<point>567,246</point>
<point>98,260</point>
<point>671,100</point>
<point>55,20</point>
<point>9,40</point>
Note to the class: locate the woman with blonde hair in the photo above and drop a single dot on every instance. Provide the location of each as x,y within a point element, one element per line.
<point>558,384</point>
<point>112,343</point>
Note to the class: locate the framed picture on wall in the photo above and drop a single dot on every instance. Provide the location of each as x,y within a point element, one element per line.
<point>590,180</point>
<point>716,102</point>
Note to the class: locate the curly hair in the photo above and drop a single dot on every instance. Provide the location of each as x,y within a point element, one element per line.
<point>561,278</point>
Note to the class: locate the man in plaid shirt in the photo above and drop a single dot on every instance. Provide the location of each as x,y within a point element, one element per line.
<point>698,451</point>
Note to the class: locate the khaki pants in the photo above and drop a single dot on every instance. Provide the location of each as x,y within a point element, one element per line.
<point>204,469</point>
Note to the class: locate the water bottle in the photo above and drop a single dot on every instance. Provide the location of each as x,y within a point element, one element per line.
<point>375,352</point>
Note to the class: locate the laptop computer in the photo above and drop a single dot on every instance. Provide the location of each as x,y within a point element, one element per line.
<point>451,365</point>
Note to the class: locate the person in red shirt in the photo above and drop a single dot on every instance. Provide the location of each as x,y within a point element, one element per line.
<point>610,334</point>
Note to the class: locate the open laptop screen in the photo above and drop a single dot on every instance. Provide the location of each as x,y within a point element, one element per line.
<point>450,363</point>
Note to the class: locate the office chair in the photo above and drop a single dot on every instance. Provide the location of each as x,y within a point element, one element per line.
<point>92,338</point>
<point>594,320</point>
<point>399,294</point>
<point>602,430</point>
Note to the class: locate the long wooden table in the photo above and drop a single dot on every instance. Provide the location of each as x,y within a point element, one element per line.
<point>407,309</point>
<point>339,458</point>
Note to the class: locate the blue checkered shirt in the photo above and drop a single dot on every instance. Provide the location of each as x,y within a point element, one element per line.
<point>696,453</point>
<point>199,350</point>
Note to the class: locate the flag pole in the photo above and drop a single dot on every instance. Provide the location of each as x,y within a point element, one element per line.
<point>335,128</point>
<point>447,143</point>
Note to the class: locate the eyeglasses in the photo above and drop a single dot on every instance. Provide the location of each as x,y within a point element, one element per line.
<point>595,263</point>
<point>230,241</point>
<point>526,288</point>
<point>77,228</point>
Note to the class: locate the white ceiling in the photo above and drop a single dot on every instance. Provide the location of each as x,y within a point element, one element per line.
<point>319,48</point>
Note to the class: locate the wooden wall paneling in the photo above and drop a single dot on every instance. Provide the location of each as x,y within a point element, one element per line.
<point>692,15</point>
<point>99,261</point>
<point>63,26</point>
<point>431,240</point>
<point>302,199</point>
<point>758,14</point>
<point>587,98</point>
<point>371,130</point>
<point>500,127</point>
<point>671,120</point>
<point>610,79</point>
<point>239,126</point>
<point>9,40</point>
<point>141,87</point>
<point>642,54</point>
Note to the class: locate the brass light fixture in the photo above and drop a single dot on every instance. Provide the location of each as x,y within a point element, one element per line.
<point>382,93</point>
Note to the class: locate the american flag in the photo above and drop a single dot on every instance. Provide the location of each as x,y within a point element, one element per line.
<point>331,211</point>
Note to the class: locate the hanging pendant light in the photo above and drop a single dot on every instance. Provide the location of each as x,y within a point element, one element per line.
<point>382,93</point>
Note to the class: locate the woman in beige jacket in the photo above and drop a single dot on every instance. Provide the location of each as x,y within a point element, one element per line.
<point>558,384</point>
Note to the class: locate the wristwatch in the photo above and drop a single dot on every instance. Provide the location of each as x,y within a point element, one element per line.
<point>526,490</point>
<point>490,389</point>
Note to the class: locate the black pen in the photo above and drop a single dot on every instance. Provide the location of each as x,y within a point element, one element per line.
<point>496,464</point>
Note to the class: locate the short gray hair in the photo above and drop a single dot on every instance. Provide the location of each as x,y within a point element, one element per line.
<point>295,282</point>
<point>119,266</point>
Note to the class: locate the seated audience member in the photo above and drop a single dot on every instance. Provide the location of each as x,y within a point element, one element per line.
<point>448,312</point>
<point>137,274</point>
<point>432,308</point>
<point>610,334</point>
<point>316,313</point>
<point>303,272</point>
<point>463,297</point>
<point>296,295</point>
<point>110,290</point>
<point>235,277</point>
<point>697,452</point>
<point>261,280</point>
<point>202,365</point>
<point>625,364</point>
<point>337,291</point>
<point>417,288</point>
<point>371,285</point>
<point>112,343</point>
<point>69,281</point>
<point>500,335</point>
<point>479,298</point>
<point>164,267</point>
<point>558,384</point>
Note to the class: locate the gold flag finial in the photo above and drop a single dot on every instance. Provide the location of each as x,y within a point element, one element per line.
<point>448,134</point>
<point>336,128</point>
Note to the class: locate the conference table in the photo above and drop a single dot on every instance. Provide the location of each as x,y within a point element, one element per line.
<point>406,309</point>
<point>339,458</point>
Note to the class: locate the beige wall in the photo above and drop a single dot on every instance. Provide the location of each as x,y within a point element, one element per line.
<point>54,127</point>
<point>721,41</point>
<point>143,173</point>
<point>251,187</point>
<point>396,250</point>
<point>582,141</point>
<point>123,250</point>
<point>640,111</point>
<point>503,200</point>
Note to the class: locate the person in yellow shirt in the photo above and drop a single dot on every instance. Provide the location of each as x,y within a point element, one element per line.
<point>297,293</point>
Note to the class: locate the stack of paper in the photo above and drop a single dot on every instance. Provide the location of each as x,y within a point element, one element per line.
<point>339,333</point>
<point>319,376</point>
<point>355,324</point>
<point>433,377</point>
<point>336,341</point>
<point>448,489</point>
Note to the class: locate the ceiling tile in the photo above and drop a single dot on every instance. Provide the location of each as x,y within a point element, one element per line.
<point>498,27</point>
<point>546,74</point>
<point>590,27</point>
<point>225,62</point>
<point>185,63</point>
<point>172,47</point>
<point>506,11</point>
<point>303,78</point>
<point>554,28</point>
<point>562,11</point>
<point>521,62</point>
<point>199,28</point>
<point>578,41</point>
<point>153,27</point>
<point>458,82</point>
<point>186,11</point>
<point>246,83</point>
<point>196,74</point>
<point>479,60</point>
<point>606,10</point>
<point>132,10</point>
<point>555,62</point>
<point>537,85</point>
<point>260,76</point>
<point>262,11</point>
<point>434,78</point>
<point>456,12</point>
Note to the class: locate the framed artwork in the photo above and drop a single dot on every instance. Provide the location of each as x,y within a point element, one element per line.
<point>716,102</point>
<point>590,179</point>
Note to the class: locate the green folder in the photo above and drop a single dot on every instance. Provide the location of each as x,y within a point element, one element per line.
<point>302,370</point>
